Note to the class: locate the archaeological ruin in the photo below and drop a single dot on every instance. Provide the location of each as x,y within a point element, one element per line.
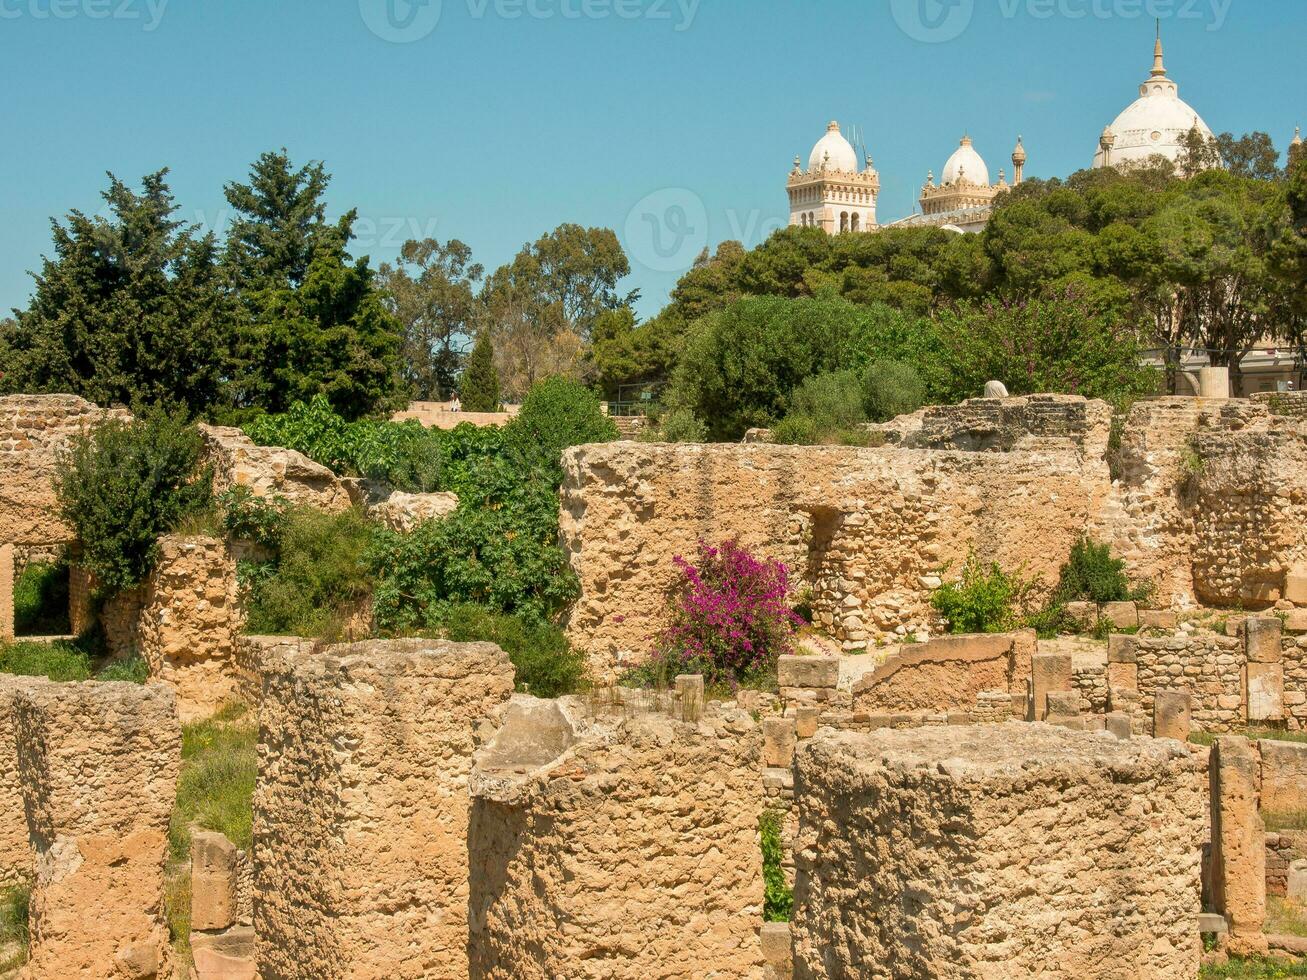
<point>1124,799</point>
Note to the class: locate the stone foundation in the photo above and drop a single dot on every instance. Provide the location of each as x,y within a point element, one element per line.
<point>360,814</point>
<point>622,849</point>
<point>99,765</point>
<point>948,852</point>
<point>947,673</point>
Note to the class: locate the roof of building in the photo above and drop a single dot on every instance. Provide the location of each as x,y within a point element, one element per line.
<point>833,152</point>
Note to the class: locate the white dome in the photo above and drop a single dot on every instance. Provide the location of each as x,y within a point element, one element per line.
<point>965,162</point>
<point>833,152</point>
<point>1155,124</point>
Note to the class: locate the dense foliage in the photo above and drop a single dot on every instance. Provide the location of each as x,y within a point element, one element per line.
<point>984,598</point>
<point>41,600</point>
<point>478,389</point>
<point>1092,574</point>
<point>778,897</point>
<point>544,663</point>
<point>825,409</point>
<point>126,482</point>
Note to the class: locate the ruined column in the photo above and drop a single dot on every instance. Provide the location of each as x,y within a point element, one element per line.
<point>1048,672</point>
<point>6,593</point>
<point>15,854</point>
<point>1263,684</point>
<point>99,766</point>
<point>361,807</point>
<point>1238,857</point>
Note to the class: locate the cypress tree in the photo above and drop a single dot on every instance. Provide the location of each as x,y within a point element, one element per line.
<point>479,386</point>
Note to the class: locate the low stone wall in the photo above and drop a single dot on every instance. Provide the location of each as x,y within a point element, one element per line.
<point>620,849</point>
<point>1004,424</point>
<point>98,764</point>
<point>361,807</point>
<point>915,845</point>
<point>947,673</point>
<point>251,654</point>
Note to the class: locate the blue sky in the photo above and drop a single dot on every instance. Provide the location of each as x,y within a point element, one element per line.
<point>673,122</point>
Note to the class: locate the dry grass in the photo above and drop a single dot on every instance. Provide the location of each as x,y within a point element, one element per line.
<point>13,928</point>
<point>1271,968</point>
<point>1285,917</point>
<point>1285,819</point>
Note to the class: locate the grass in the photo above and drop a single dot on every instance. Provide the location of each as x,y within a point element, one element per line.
<point>64,660</point>
<point>216,785</point>
<point>1285,918</point>
<point>13,927</point>
<point>41,600</point>
<point>1285,819</point>
<point>1271,968</point>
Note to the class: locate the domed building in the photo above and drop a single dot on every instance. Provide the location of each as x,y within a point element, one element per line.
<point>1155,124</point>
<point>833,194</point>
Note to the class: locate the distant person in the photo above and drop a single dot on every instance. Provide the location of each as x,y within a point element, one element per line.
<point>456,405</point>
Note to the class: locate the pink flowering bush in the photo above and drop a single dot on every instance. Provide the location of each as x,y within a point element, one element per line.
<point>730,621</point>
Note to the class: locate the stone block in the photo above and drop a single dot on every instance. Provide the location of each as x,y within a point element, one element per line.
<point>99,765</point>
<point>1122,615</point>
<point>6,593</point>
<point>808,672</point>
<point>214,881</point>
<point>1060,817</point>
<point>1063,704</point>
<point>229,956</point>
<point>1297,887</point>
<point>1158,619</point>
<point>777,946</point>
<point>1118,723</point>
<point>1083,614</point>
<point>1212,922</point>
<point>1238,856</point>
<point>779,735</point>
<point>1295,586</point>
<point>1172,716</point>
<point>689,688</point>
<point>1264,691</point>
<point>1122,649</point>
<point>361,807</point>
<point>806,717</point>
<point>1262,639</point>
<point>1295,621</point>
<point>1123,677</point>
<point>1048,672</point>
<point>1283,776</point>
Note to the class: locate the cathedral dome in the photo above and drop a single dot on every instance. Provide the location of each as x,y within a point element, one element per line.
<point>833,152</point>
<point>1155,124</point>
<point>965,162</point>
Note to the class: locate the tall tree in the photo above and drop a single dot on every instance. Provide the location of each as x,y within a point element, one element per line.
<point>437,308</point>
<point>313,318</point>
<point>130,308</point>
<point>479,385</point>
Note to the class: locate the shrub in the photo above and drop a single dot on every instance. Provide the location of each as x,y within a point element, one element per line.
<point>125,483</point>
<point>250,518</point>
<point>778,897</point>
<point>318,578</point>
<point>1091,574</point>
<point>544,662</point>
<point>678,425</point>
<point>985,599</point>
<point>730,621</point>
<point>41,600</point>
<point>558,413</point>
<point>891,389</point>
<point>825,409</point>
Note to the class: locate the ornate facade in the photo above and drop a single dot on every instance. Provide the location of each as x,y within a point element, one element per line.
<point>833,194</point>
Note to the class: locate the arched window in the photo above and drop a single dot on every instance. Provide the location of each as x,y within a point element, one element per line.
<point>844,221</point>
<point>853,222</point>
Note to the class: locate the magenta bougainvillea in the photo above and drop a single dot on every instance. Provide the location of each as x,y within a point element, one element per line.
<point>730,620</point>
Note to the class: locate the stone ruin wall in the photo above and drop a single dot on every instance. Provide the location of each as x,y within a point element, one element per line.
<point>949,853</point>
<point>865,527</point>
<point>947,673</point>
<point>617,847</point>
<point>361,809</point>
<point>15,858</point>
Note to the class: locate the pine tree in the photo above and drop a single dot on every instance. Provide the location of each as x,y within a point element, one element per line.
<point>479,386</point>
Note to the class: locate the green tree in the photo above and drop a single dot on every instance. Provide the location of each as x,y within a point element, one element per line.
<point>313,319</point>
<point>479,385</point>
<point>437,308</point>
<point>130,308</point>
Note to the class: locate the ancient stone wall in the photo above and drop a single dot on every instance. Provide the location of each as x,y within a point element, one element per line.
<point>7,577</point>
<point>1004,424</point>
<point>270,471</point>
<point>1283,777</point>
<point>616,848</point>
<point>15,854</point>
<point>946,673</point>
<point>361,807</point>
<point>98,765</point>
<point>949,852</point>
<point>870,530</point>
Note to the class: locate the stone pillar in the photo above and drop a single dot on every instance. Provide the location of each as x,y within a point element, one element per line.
<point>689,688</point>
<point>1263,680</point>
<point>361,806</point>
<point>1238,857</point>
<point>15,853</point>
<point>6,593</point>
<point>779,735</point>
<point>1214,382</point>
<point>220,947</point>
<point>1122,662</point>
<point>99,766</point>
<point>1048,672</point>
<point>777,951</point>
<point>1172,715</point>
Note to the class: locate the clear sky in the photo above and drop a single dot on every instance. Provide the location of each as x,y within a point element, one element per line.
<point>674,122</point>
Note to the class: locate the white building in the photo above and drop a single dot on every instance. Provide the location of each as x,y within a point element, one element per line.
<point>833,194</point>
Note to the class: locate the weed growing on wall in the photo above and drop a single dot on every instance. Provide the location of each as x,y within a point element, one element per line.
<point>778,897</point>
<point>984,599</point>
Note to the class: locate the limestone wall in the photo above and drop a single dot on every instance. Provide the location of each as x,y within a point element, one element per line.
<point>953,852</point>
<point>617,848</point>
<point>865,528</point>
<point>360,812</point>
<point>98,765</point>
<point>15,854</point>
<point>270,471</point>
<point>946,673</point>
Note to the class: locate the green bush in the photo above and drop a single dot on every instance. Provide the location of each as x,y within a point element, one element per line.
<point>825,409</point>
<point>318,578</point>
<point>41,600</point>
<point>1091,574</point>
<point>891,389</point>
<point>478,388</point>
<point>558,413</point>
<point>984,599</point>
<point>778,897</point>
<point>125,483</point>
<point>544,662</point>
<point>216,786</point>
<point>677,425</point>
